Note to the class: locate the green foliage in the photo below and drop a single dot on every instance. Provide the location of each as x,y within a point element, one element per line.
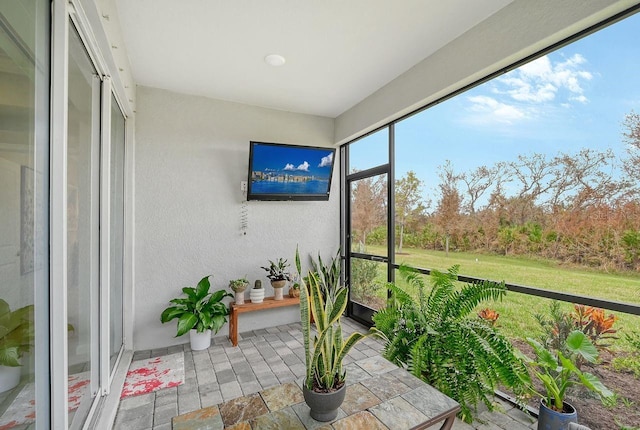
<point>631,242</point>
<point>363,275</point>
<point>240,284</point>
<point>325,354</point>
<point>199,310</point>
<point>558,372</point>
<point>628,364</point>
<point>276,270</point>
<point>328,275</point>
<point>556,326</point>
<point>435,337</point>
<point>16,333</point>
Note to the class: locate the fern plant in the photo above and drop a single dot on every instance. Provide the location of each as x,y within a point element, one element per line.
<point>436,339</point>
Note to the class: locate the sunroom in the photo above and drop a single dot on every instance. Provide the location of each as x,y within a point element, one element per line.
<point>454,133</point>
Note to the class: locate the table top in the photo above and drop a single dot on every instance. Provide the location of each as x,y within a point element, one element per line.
<point>379,396</point>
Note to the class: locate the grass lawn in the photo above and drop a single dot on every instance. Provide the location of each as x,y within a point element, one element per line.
<point>517,310</point>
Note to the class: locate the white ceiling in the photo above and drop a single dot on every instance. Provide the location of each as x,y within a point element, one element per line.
<point>338,52</point>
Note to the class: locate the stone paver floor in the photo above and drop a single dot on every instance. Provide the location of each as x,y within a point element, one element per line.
<point>263,359</point>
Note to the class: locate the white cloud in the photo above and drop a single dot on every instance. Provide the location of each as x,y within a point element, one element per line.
<point>541,80</point>
<point>531,91</point>
<point>488,109</point>
<point>304,167</point>
<point>326,161</point>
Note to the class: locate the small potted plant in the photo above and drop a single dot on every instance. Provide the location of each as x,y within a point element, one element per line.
<point>278,276</point>
<point>199,313</point>
<point>257,292</point>
<point>238,286</point>
<point>557,373</point>
<point>16,338</point>
<point>324,385</point>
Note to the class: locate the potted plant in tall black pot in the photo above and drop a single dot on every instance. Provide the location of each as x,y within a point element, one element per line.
<point>557,373</point>
<point>324,384</point>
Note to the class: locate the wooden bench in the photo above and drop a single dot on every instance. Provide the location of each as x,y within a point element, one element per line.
<point>268,303</point>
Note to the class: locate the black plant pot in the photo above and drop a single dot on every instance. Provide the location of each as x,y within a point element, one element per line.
<point>324,406</point>
<point>548,419</point>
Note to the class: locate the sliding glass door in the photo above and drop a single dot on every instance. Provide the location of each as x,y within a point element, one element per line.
<point>24,202</point>
<point>83,229</point>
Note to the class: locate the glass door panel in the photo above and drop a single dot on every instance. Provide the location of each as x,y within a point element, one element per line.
<point>367,282</point>
<point>368,215</point>
<point>83,229</point>
<point>117,232</point>
<point>24,90</point>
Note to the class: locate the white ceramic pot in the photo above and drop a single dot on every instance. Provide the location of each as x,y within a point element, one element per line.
<point>9,377</point>
<point>239,297</point>
<point>199,341</point>
<point>256,295</point>
<point>278,288</point>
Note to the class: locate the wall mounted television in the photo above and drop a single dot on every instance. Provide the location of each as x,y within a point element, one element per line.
<point>289,172</point>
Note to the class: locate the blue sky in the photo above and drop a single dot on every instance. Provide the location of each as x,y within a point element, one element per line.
<point>573,98</point>
<point>293,160</point>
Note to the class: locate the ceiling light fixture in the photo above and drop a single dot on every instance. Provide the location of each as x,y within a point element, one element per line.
<point>274,60</point>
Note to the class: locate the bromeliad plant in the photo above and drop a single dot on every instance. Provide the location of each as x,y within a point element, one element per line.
<point>558,372</point>
<point>199,310</point>
<point>435,336</point>
<point>325,354</point>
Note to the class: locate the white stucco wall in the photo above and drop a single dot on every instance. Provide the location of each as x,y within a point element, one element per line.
<point>191,155</point>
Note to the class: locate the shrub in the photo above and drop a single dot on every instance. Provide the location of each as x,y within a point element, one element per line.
<point>438,340</point>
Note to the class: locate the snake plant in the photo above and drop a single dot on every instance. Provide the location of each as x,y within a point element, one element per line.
<point>325,354</point>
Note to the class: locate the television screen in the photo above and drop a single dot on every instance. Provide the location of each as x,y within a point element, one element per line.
<point>289,172</point>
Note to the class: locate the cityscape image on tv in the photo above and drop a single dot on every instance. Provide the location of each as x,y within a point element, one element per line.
<point>291,170</point>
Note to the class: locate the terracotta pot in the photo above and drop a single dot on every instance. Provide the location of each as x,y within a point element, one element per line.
<point>548,419</point>
<point>324,406</point>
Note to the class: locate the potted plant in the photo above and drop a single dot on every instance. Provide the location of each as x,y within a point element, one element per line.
<point>199,313</point>
<point>278,276</point>
<point>324,384</point>
<point>257,292</point>
<point>294,290</point>
<point>238,286</point>
<point>557,373</point>
<point>16,338</point>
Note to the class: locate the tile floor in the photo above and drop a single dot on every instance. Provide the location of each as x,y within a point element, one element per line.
<point>263,359</point>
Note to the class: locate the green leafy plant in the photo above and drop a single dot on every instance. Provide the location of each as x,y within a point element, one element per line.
<point>277,270</point>
<point>558,372</point>
<point>556,326</point>
<point>328,275</point>
<point>239,284</point>
<point>325,354</point>
<point>16,333</point>
<point>199,310</point>
<point>436,336</point>
<point>363,275</point>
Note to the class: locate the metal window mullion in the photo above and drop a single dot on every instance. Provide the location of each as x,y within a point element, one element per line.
<point>58,217</point>
<point>105,235</point>
<point>391,209</point>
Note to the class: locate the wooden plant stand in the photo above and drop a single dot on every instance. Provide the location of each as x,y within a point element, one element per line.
<point>248,306</point>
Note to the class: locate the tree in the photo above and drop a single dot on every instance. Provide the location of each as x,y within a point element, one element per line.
<point>408,202</point>
<point>478,182</point>
<point>632,138</point>
<point>368,205</point>
<point>448,211</point>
